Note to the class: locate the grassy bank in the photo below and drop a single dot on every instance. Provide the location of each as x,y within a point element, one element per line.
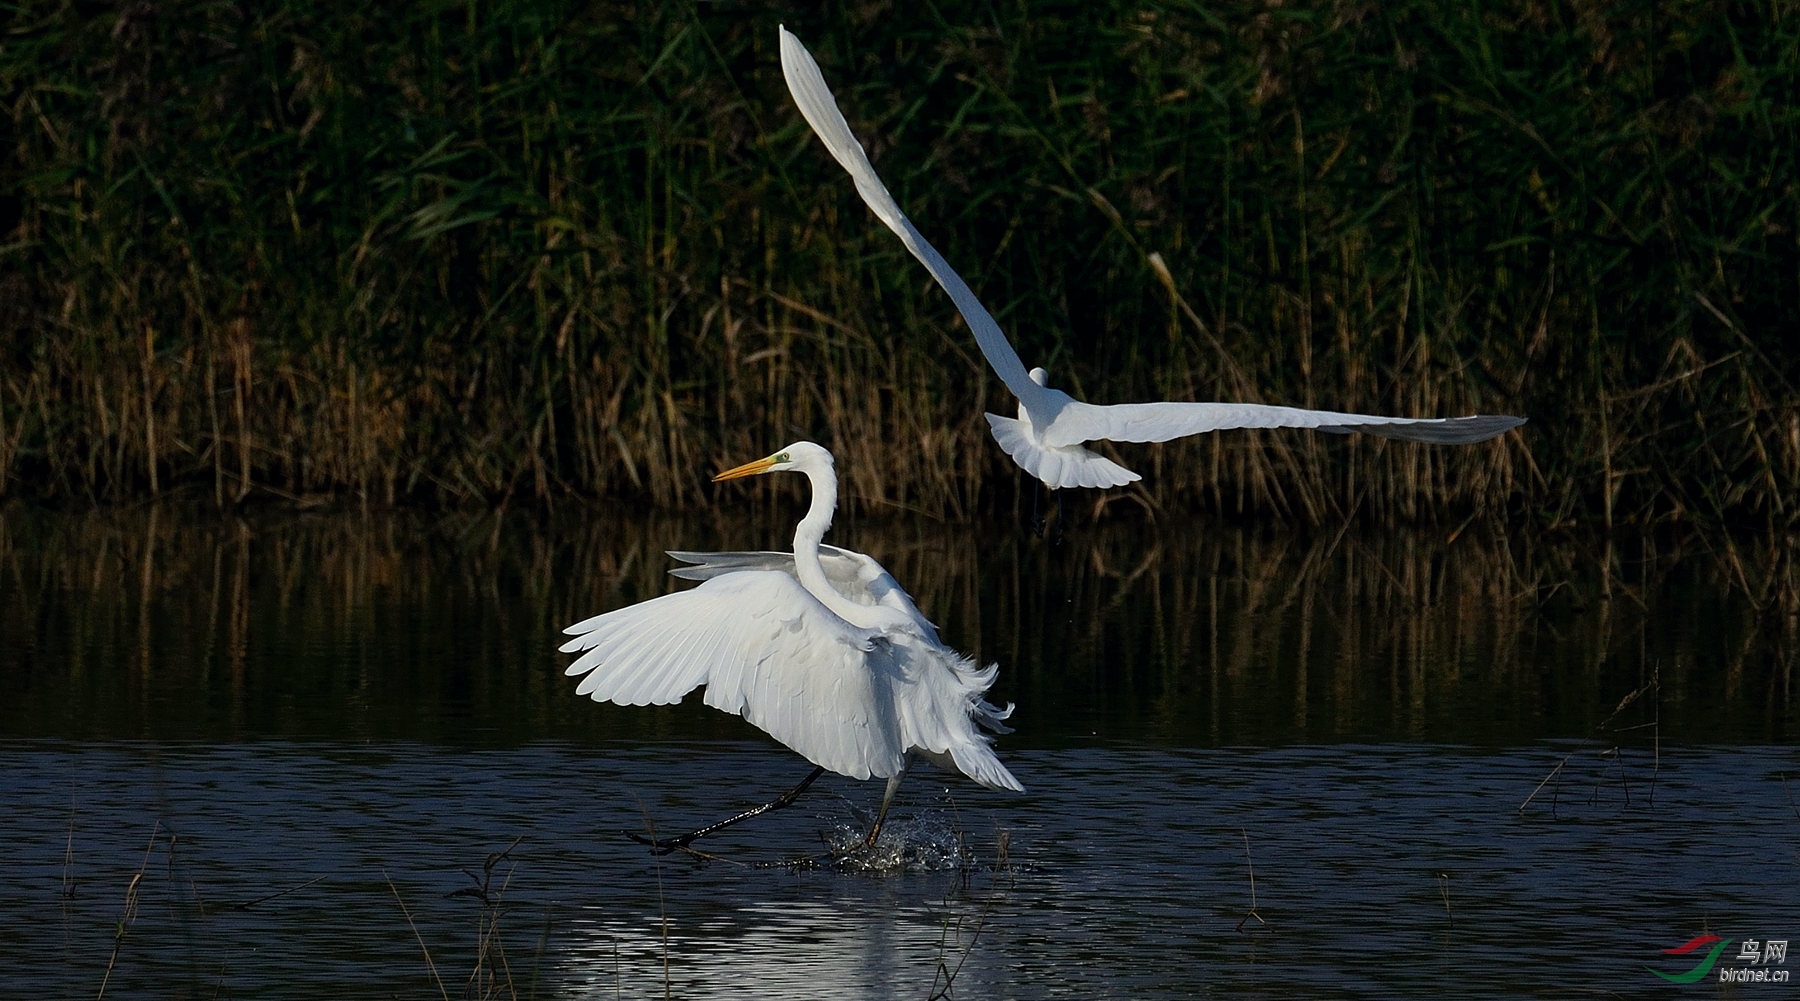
<point>507,251</point>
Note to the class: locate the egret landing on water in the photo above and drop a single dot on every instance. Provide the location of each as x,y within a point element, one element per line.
<point>819,647</point>
<point>1046,438</point>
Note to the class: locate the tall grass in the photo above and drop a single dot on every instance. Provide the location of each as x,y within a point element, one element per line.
<point>531,249</point>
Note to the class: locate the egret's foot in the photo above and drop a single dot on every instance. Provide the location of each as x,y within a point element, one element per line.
<point>847,843</point>
<point>663,846</point>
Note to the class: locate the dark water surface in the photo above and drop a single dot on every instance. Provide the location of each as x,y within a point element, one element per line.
<point>271,757</point>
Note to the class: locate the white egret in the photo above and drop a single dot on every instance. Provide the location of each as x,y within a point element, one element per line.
<point>1046,438</point>
<point>819,647</point>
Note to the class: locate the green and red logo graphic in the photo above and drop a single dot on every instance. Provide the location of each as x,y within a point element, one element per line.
<point>1690,947</point>
<point>1758,961</point>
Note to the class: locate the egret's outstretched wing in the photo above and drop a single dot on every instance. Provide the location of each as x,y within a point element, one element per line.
<point>821,112</point>
<point>854,575</point>
<point>766,650</point>
<point>1081,422</point>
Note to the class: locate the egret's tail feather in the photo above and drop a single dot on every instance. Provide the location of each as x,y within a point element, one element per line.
<point>1059,467</point>
<point>991,717</point>
<point>978,762</point>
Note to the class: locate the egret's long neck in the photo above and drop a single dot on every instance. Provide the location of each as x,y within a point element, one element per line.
<point>807,536</point>
<point>810,532</point>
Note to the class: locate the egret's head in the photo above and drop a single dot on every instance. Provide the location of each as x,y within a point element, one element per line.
<point>798,457</point>
<point>1040,377</point>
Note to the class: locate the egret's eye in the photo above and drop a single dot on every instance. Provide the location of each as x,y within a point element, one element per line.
<point>783,457</point>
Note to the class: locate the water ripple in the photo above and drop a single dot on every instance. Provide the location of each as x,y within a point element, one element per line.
<point>1378,870</point>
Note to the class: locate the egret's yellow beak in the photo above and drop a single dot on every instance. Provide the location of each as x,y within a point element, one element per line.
<point>749,469</point>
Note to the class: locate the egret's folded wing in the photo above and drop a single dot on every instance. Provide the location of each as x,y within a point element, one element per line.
<point>821,112</point>
<point>864,580</point>
<point>845,569</point>
<point>765,649</point>
<point>709,565</point>
<point>854,575</point>
<point>1081,422</point>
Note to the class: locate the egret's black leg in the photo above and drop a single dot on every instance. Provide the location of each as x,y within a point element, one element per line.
<point>663,846</point>
<point>1039,523</point>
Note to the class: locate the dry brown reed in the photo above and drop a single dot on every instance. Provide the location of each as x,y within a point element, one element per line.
<point>533,250</point>
<point>405,912</point>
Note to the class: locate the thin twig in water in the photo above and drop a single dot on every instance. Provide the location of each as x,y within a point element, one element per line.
<point>489,940</point>
<point>1624,783</point>
<point>68,880</point>
<point>1444,887</point>
<point>128,913</point>
<point>416,936</point>
<point>246,905</point>
<point>543,949</point>
<point>485,880</point>
<point>1656,733</point>
<point>944,972</point>
<point>1251,865</point>
<point>1554,772</point>
<point>487,937</point>
<point>662,910</point>
<point>1652,686</point>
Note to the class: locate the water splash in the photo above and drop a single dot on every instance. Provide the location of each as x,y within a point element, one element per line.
<point>927,842</point>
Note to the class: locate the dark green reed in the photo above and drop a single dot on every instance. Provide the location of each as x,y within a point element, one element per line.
<point>512,250</point>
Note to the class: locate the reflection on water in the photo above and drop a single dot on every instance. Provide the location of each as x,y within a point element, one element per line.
<point>270,757</point>
<point>348,628</point>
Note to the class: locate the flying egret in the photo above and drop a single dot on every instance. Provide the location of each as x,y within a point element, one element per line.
<point>1046,438</point>
<point>819,647</point>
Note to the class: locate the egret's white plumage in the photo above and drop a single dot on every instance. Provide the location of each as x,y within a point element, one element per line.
<point>820,647</point>
<point>1046,438</point>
